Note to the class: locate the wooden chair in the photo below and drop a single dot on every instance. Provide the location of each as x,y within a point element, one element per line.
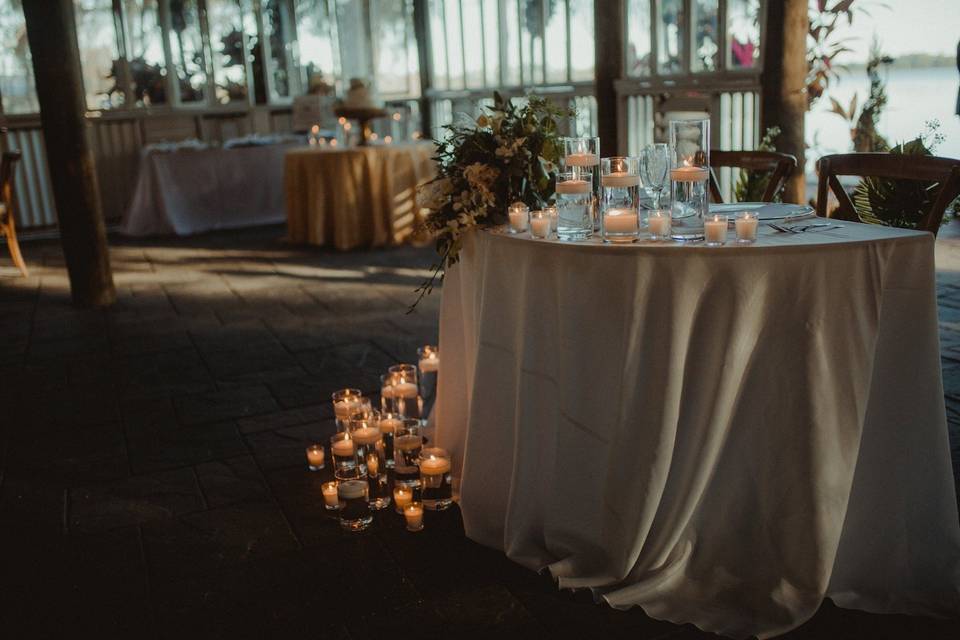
<point>944,171</point>
<point>780,166</point>
<point>8,209</point>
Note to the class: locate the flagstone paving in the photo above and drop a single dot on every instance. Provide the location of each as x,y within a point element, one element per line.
<point>152,478</point>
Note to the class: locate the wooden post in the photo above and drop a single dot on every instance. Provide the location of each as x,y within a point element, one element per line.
<point>783,94</point>
<point>52,34</point>
<point>608,18</point>
<point>421,29</point>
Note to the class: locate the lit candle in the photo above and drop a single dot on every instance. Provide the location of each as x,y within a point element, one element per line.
<point>518,219</point>
<point>402,496</point>
<point>405,390</point>
<point>551,212</point>
<point>689,174</point>
<point>373,464</point>
<point>342,448</point>
<point>539,224</point>
<point>746,226</point>
<point>414,516</point>
<point>344,408</point>
<point>329,490</point>
<point>390,425</point>
<point>434,466</point>
<point>572,187</point>
<point>430,362</point>
<point>659,225</point>
<point>620,180</point>
<point>315,457</point>
<point>715,230</point>
<point>365,435</point>
<point>582,160</point>
<point>621,221</point>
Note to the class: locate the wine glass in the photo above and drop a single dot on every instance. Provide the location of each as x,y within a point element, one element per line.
<point>654,168</point>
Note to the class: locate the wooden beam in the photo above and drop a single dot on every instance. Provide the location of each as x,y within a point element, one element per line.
<point>421,30</point>
<point>609,21</point>
<point>783,90</point>
<point>52,34</point>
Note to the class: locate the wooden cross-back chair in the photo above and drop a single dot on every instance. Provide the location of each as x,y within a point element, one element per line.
<point>944,171</point>
<point>780,166</point>
<point>8,212</point>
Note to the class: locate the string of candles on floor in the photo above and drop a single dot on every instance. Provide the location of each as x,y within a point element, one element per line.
<point>376,448</point>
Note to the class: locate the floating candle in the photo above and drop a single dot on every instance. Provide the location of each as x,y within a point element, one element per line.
<point>365,435</point>
<point>343,448</point>
<point>689,174</point>
<point>434,466</point>
<point>582,160</point>
<point>621,221</point>
<point>573,187</point>
<point>620,180</point>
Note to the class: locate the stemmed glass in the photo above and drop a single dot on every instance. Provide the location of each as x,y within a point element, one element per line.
<point>654,168</point>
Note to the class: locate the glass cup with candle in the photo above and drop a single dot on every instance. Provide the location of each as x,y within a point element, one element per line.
<point>551,212</point>
<point>436,483</point>
<point>581,158</point>
<point>354,505</point>
<point>405,390</point>
<point>746,227</point>
<point>330,500</point>
<point>345,403</point>
<point>368,440</point>
<point>407,444</point>
<point>428,359</point>
<point>574,202</point>
<point>690,172</point>
<point>715,230</point>
<point>413,515</point>
<point>539,225</point>
<point>315,457</point>
<point>389,423</point>
<point>344,455</point>
<point>518,215</point>
<point>658,222</point>
<point>620,199</point>
<point>402,496</point>
<point>364,429</point>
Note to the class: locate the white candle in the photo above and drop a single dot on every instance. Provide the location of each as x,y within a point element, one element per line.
<point>540,226</point>
<point>518,219</point>
<point>329,490</point>
<point>621,221</point>
<point>689,174</point>
<point>430,363</point>
<point>365,435</point>
<point>434,466</point>
<point>342,448</point>
<point>551,212</point>
<point>390,425</point>
<point>620,179</point>
<point>746,225</point>
<point>315,456</point>
<point>373,464</point>
<point>582,160</point>
<point>573,186</point>
<point>404,390</point>
<point>343,408</point>
<point>402,497</point>
<point>659,224</point>
<point>715,230</point>
<point>413,513</point>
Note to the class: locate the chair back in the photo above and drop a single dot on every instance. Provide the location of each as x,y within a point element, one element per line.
<point>7,164</point>
<point>944,172</point>
<point>780,166</point>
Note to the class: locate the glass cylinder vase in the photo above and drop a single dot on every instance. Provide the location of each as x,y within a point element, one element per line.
<point>581,159</point>
<point>689,175</point>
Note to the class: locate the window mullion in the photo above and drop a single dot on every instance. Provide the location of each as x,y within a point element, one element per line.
<point>173,78</point>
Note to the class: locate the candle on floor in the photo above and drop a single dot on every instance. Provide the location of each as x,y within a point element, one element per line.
<point>329,490</point>
<point>746,226</point>
<point>405,390</point>
<point>621,221</point>
<point>430,360</point>
<point>715,230</point>
<point>402,496</point>
<point>659,223</point>
<point>373,464</point>
<point>342,448</point>
<point>539,224</point>
<point>413,513</point>
<point>315,457</point>
<point>434,466</point>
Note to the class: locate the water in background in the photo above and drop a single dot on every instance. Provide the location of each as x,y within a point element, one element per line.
<point>914,96</point>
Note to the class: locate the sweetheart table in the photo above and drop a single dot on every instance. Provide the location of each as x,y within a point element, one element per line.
<point>722,436</point>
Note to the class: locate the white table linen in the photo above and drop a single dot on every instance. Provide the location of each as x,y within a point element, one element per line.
<point>184,192</point>
<point>722,436</point>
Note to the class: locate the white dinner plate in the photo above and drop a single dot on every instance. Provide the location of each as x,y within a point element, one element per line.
<point>765,210</point>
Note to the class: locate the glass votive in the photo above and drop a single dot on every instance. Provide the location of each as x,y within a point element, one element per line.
<point>407,444</point>
<point>330,500</point>
<point>658,223</point>
<point>619,225</point>
<point>428,358</point>
<point>354,507</point>
<point>344,455</point>
<point>575,203</point>
<point>413,514</point>
<point>315,457</point>
<point>402,388</point>
<point>402,496</point>
<point>746,227</point>
<point>715,230</point>
<point>389,423</point>
<point>345,403</point>
<point>436,482</point>
<point>364,429</point>
<point>519,214</point>
<point>551,212</point>
<point>539,225</point>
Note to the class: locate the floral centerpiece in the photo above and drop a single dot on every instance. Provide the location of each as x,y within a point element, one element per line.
<point>509,154</point>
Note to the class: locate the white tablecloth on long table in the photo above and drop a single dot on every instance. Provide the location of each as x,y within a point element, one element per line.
<point>722,436</point>
<point>189,191</point>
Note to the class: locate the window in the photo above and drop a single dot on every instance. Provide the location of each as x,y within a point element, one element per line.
<point>743,33</point>
<point>143,38</point>
<point>317,41</point>
<point>16,68</point>
<point>99,57</point>
<point>186,49</point>
<point>705,36</point>
<point>395,51</point>
<point>670,29</point>
<point>229,46</point>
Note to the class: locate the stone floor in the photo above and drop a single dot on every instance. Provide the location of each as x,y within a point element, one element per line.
<point>152,479</point>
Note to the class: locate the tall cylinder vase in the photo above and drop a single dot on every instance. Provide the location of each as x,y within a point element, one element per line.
<point>689,175</point>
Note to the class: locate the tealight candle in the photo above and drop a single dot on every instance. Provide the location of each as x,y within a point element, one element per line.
<point>689,174</point>
<point>621,221</point>
<point>373,464</point>
<point>329,490</point>
<point>402,496</point>
<point>715,230</point>
<point>315,457</point>
<point>539,224</point>
<point>413,513</point>
<point>659,223</point>
<point>582,160</point>
<point>746,226</point>
<point>518,213</point>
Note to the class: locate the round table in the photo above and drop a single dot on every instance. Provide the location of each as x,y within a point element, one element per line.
<point>723,436</point>
<point>355,197</point>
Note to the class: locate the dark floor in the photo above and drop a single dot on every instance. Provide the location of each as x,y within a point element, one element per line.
<point>152,477</point>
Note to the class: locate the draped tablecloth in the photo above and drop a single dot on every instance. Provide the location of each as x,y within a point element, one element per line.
<point>357,197</point>
<point>190,191</point>
<point>723,436</point>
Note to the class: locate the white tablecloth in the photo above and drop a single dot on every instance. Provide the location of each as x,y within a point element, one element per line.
<point>191,191</point>
<point>721,436</point>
